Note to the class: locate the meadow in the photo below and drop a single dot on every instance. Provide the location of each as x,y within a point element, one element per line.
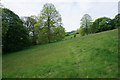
<point>92,56</point>
<point>70,36</point>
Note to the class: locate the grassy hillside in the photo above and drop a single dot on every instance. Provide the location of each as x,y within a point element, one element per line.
<point>92,56</point>
<point>69,37</point>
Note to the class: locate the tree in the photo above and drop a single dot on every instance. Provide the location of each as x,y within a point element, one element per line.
<point>49,26</point>
<point>85,24</point>
<point>101,24</point>
<point>14,34</point>
<point>0,28</point>
<point>29,22</point>
<point>117,21</point>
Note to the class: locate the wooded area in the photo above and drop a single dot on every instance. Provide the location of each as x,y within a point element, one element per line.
<point>19,33</point>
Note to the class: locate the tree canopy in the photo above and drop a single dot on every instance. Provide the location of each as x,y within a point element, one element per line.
<point>49,25</point>
<point>29,23</point>
<point>18,33</point>
<point>85,24</point>
<point>116,21</point>
<point>14,34</point>
<point>100,24</point>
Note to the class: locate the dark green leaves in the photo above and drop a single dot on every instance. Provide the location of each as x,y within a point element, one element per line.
<point>14,34</point>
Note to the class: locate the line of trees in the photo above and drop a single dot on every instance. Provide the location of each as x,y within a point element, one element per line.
<point>99,25</point>
<point>19,33</point>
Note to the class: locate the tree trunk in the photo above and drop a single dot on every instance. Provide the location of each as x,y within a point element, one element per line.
<point>48,30</point>
<point>86,27</point>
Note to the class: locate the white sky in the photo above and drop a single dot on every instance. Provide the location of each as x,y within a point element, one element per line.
<point>71,10</point>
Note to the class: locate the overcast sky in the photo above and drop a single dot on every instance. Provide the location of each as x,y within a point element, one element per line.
<point>71,10</point>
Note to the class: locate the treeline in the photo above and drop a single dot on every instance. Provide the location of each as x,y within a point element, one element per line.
<point>19,33</point>
<point>70,33</point>
<point>99,25</point>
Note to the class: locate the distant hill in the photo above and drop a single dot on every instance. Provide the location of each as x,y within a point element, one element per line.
<point>70,32</point>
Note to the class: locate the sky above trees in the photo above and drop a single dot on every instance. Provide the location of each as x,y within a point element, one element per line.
<point>71,10</point>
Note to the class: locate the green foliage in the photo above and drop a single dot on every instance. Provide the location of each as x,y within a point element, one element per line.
<point>66,34</point>
<point>70,36</point>
<point>29,22</point>
<point>92,56</point>
<point>116,21</point>
<point>99,25</point>
<point>85,24</point>
<point>77,31</point>
<point>102,24</point>
<point>14,34</point>
<point>49,25</point>
<point>72,32</point>
<point>83,31</point>
<point>42,37</point>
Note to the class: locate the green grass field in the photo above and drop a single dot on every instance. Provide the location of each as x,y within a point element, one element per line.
<point>92,56</point>
<point>69,37</point>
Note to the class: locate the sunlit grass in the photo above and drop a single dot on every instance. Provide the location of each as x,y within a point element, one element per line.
<point>92,56</point>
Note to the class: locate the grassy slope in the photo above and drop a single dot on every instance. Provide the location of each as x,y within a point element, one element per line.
<point>93,56</point>
<point>69,37</point>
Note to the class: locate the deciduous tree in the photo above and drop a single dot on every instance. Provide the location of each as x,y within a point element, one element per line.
<point>101,24</point>
<point>85,24</point>
<point>29,22</point>
<point>14,34</point>
<point>49,25</point>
